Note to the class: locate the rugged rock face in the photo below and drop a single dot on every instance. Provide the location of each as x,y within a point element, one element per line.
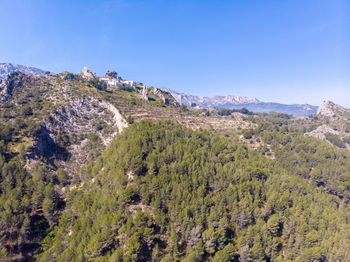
<point>81,117</point>
<point>6,68</point>
<point>68,119</point>
<point>334,124</point>
<point>8,83</point>
<point>321,132</point>
<point>158,93</point>
<point>144,93</point>
<point>332,110</point>
<point>165,96</point>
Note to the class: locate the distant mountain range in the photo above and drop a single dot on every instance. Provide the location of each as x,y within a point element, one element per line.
<point>6,68</point>
<point>216,101</point>
<point>230,101</point>
<point>237,102</point>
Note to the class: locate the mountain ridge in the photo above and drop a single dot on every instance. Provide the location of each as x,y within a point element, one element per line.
<point>228,101</point>
<point>6,68</point>
<point>237,102</point>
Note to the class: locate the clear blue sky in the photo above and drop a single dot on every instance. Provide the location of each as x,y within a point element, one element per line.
<point>289,51</point>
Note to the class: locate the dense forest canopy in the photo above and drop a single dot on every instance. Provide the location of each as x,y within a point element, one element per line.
<point>162,192</point>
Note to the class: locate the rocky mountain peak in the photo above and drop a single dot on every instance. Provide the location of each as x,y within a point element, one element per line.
<point>6,68</point>
<point>330,109</point>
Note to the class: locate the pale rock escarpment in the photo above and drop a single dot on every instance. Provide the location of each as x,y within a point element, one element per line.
<point>165,96</point>
<point>144,93</point>
<point>335,121</point>
<point>332,110</point>
<point>81,117</point>
<point>321,132</point>
<point>9,83</point>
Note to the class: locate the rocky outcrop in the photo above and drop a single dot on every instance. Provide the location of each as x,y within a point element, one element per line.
<point>73,122</point>
<point>69,122</point>
<point>321,132</point>
<point>334,111</point>
<point>159,94</point>
<point>165,96</point>
<point>334,120</point>
<point>144,93</point>
<point>12,80</point>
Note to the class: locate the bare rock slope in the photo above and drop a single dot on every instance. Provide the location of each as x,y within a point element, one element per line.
<point>6,68</point>
<point>334,124</point>
<point>334,111</point>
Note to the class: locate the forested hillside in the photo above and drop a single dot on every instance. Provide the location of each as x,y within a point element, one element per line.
<point>94,173</point>
<point>162,192</point>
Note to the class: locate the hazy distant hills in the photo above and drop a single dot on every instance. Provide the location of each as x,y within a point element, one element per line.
<point>296,110</point>
<point>216,101</point>
<point>6,68</point>
<point>237,102</point>
<point>229,101</point>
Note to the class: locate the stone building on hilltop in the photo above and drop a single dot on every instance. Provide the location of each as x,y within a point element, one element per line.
<point>87,74</point>
<point>111,78</point>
